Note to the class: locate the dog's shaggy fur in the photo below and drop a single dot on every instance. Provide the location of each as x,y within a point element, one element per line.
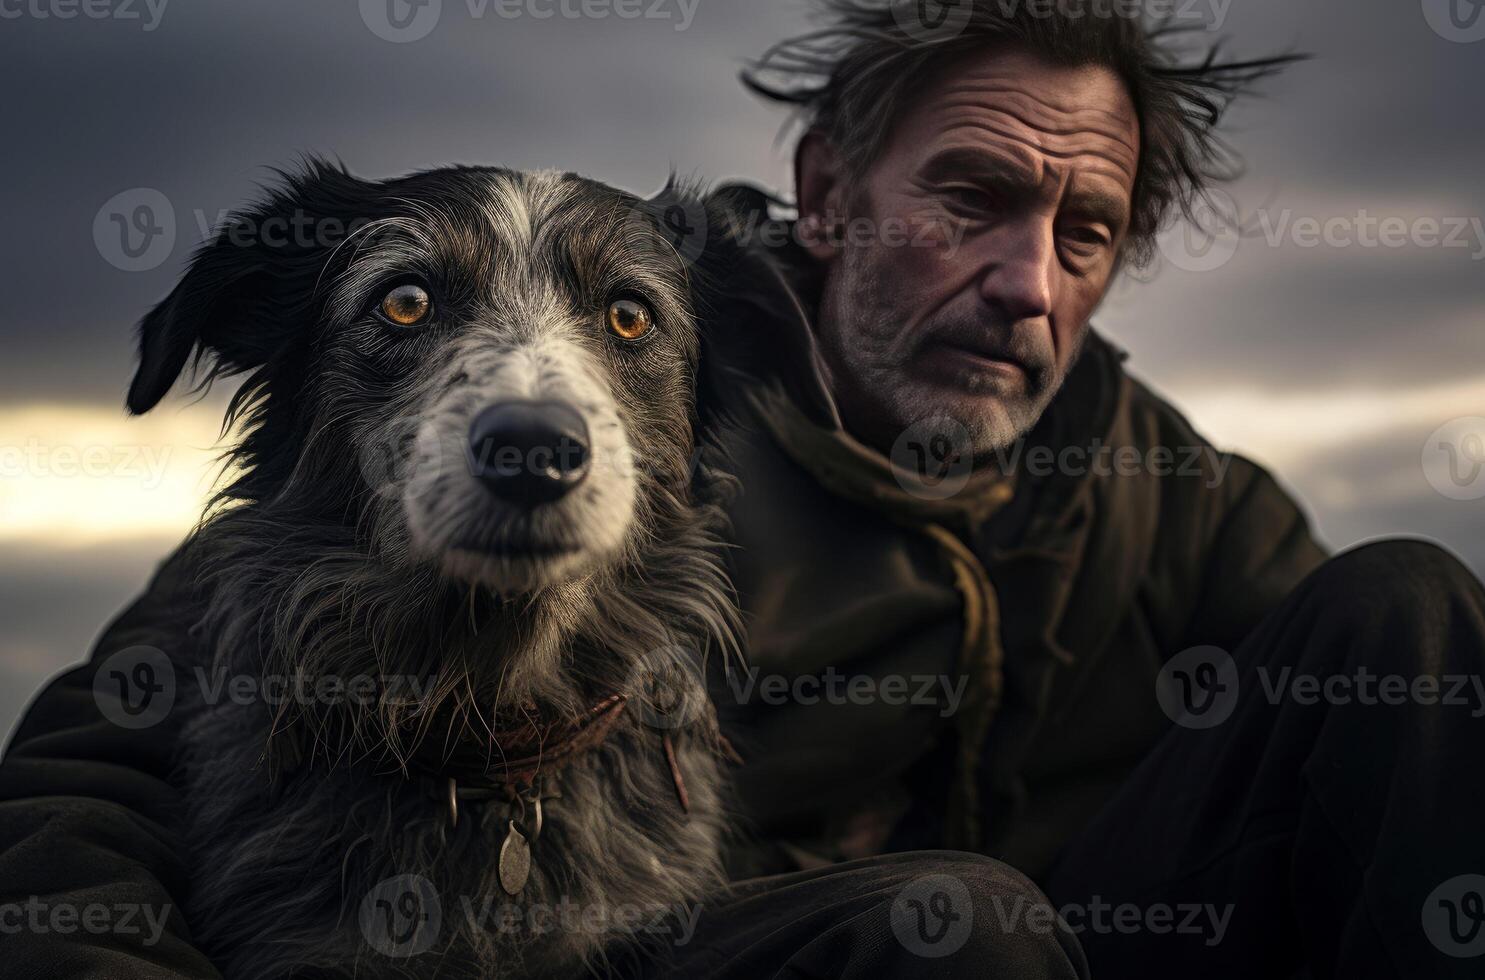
<point>352,541</point>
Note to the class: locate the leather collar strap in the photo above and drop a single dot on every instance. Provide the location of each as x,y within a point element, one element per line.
<point>514,758</point>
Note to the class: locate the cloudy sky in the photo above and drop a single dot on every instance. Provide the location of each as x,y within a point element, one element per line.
<point>1338,340</point>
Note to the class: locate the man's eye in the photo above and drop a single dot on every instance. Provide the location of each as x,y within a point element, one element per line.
<point>1085,240</point>
<point>408,305</point>
<point>965,198</point>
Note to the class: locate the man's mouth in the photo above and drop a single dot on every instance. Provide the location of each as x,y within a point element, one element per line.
<point>952,358</point>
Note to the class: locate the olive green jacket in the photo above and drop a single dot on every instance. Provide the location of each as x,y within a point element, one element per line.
<point>1115,538</point>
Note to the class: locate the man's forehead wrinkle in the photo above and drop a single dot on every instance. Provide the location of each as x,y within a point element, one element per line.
<point>1091,149</point>
<point>999,78</point>
<point>1018,123</point>
<point>1114,123</point>
<point>1013,122</point>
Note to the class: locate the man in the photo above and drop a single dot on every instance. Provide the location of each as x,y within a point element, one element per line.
<point>971,670</point>
<point>893,523</point>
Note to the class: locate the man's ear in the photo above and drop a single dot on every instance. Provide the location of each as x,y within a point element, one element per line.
<point>246,291</point>
<point>753,324</point>
<point>820,189</point>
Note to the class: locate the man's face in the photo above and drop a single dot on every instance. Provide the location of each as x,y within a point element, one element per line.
<point>1032,167</point>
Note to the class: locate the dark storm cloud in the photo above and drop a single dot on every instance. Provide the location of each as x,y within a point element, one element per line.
<point>199,106</point>
<point>1386,118</point>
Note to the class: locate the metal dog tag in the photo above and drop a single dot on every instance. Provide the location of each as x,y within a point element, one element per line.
<point>515,861</point>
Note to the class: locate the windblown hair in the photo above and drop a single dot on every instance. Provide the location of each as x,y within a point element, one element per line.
<point>855,77</point>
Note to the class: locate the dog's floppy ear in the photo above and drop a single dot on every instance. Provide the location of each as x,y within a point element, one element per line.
<point>246,289</point>
<point>754,325</point>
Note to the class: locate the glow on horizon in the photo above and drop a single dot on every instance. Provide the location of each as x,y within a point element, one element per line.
<point>78,474</point>
<point>73,475</point>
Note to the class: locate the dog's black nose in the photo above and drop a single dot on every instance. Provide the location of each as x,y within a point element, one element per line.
<point>529,452</point>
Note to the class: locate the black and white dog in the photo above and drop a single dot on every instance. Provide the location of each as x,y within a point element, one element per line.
<point>469,492</point>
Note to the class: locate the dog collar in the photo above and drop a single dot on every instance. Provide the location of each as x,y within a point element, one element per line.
<point>510,759</point>
<point>518,764</point>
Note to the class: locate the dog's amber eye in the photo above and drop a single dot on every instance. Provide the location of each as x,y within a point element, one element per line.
<point>407,306</point>
<point>629,320</point>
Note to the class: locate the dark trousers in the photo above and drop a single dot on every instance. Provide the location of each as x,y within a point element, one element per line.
<point>1318,812</point>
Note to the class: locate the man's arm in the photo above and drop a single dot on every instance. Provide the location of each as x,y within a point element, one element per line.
<point>91,867</point>
<point>1260,549</point>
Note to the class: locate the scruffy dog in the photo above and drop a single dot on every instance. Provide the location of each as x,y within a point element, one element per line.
<point>470,541</point>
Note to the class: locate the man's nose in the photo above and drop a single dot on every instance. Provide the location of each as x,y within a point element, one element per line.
<point>1020,274</point>
<point>529,452</point>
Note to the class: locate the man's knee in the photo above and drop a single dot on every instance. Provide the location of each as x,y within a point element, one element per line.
<point>1388,579</point>
<point>961,908</point>
<point>1407,590</point>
